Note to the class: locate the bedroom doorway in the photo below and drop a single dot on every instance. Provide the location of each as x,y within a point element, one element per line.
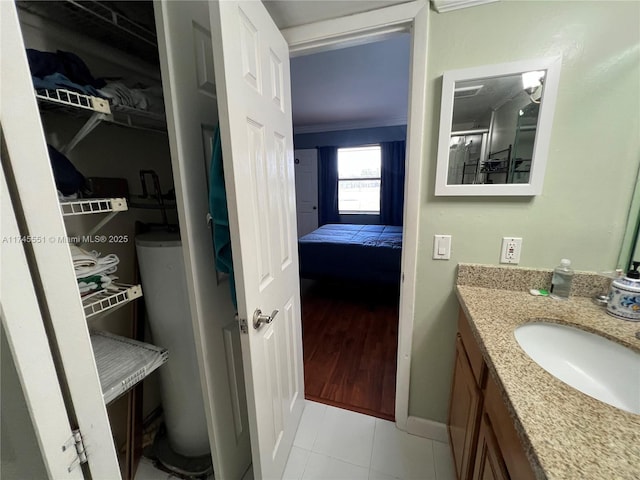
<point>350,310</point>
<point>357,29</point>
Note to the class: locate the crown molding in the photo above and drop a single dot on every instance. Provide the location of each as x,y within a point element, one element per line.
<point>442,6</point>
<point>338,126</point>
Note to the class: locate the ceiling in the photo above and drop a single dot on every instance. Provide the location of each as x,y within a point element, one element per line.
<point>475,111</point>
<point>354,87</point>
<point>291,13</point>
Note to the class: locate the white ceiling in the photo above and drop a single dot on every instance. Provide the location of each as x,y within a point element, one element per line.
<point>355,87</point>
<point>475,111</point>
<point>291,13</point>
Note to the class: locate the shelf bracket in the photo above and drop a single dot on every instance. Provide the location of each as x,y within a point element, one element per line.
<point>102,223</point>
<point>93,121</point>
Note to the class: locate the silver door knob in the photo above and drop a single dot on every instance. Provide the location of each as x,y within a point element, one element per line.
<point>260,318</point>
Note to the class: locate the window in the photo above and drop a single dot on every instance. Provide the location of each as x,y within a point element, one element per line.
<point>359,180</point>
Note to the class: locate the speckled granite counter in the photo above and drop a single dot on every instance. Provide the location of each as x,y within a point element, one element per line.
<point>567,435</point>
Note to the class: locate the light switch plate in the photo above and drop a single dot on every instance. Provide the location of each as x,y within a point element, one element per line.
<point>510,250</point>
<point>441,247</point>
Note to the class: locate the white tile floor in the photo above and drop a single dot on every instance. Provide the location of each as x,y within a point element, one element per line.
<point>336,444</point>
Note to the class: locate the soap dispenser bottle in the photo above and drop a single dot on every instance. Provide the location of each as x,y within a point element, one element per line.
<point>624,296</point>
<point>561,280</point>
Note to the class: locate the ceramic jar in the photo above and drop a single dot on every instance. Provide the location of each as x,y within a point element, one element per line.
<point>624,299</point>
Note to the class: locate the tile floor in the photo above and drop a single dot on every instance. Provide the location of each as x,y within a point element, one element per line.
<point>336,444</point>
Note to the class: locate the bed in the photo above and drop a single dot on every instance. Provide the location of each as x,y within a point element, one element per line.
<point>369,253</point>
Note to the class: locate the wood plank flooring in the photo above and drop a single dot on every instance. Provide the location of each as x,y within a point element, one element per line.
<point>350,340</point>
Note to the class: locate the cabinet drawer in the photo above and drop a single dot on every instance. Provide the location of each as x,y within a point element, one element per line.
<point>505,433</point>
<point>472,350</point>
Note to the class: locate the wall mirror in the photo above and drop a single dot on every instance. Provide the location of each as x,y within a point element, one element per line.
<point>495,126</point>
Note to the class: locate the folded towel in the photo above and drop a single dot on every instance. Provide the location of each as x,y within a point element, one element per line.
<point>94,283</point>
<point>149,98</point>
<point>91,263</point>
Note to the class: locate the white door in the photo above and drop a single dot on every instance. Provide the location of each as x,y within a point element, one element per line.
<point>35,425</point>
<point>306,167</point>
<point>185,46</point>
<point>35,201</point>
<point>254,103</point>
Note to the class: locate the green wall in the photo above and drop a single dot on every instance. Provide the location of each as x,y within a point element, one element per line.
<point>591,171</point>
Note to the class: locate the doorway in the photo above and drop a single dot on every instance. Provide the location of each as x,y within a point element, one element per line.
<point>351,102</point>
<point>359,29</point>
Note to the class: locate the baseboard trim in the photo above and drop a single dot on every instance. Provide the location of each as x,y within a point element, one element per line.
<point>422,427</point>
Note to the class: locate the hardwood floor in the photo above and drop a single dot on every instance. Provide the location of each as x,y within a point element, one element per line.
<point>350,340</point>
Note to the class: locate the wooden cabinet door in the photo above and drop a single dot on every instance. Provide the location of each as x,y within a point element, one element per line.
<point>504,431</point>
<point>488,460</point>
<point>463,414</point>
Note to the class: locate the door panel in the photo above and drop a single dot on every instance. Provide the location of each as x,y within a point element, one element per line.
<point>187,65</point>
<point>306,168</point>
<point>233,352</point>
<point>254,94</point>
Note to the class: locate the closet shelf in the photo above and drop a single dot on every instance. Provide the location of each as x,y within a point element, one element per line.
<point>105,22</point>
<point>100,110</point>
<point>62,98</point>
<point>93,205</point>
<point>151,204</point>
<point>123,362</point>
<point>112,297</point>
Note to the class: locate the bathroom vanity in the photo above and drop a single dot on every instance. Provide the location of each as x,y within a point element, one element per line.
<point>511,419</point>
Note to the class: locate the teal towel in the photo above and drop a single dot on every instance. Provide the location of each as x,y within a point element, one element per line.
<point>220,216</point>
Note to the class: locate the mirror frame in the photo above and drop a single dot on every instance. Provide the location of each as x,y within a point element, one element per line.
<point>543,133</point>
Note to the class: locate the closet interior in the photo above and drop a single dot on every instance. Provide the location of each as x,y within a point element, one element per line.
<point>96,73</point>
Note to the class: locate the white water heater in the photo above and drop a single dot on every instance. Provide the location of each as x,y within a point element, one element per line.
<point>165,295</point>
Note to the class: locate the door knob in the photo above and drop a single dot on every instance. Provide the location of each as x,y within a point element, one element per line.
<point>259,318</point>
<point>314,207</point>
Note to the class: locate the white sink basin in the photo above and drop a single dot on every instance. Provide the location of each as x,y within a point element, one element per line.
<point>590,363</point>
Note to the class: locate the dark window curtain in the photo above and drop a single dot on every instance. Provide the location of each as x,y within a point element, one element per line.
<point>327,185</point>
<point>392,182</point>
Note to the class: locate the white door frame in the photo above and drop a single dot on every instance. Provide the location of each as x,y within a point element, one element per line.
<point>365,28</point>
<point>33,186</point>
<point>27,339</point>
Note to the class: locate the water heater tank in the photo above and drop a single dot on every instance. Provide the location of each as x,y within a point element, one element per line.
<point>165,295</point>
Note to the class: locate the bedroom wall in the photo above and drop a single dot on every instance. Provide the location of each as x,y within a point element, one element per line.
<point>592,167</point>
<point>352,138</point>
<point>349,138</point>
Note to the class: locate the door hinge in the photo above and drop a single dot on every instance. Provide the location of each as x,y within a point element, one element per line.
<point>244,328</point>
<point>81,454</point>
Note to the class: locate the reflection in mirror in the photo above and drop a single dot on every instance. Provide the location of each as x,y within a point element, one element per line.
<point>494,128</point>
<point>630,248</point>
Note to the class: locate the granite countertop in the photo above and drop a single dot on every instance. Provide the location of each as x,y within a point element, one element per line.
<point>566,434</point>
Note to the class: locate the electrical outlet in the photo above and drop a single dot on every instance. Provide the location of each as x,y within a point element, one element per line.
<point>510,251</point>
